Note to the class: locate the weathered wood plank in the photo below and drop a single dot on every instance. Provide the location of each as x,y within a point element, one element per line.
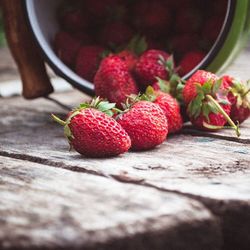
<point>217,172</point>
<point>47,208</point>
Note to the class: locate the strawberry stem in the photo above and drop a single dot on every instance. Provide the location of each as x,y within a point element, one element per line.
<point>245,94</point>
<point>58,120</point>
<point>222,111</point>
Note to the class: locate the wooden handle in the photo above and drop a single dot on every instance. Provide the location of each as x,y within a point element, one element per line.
<point>36,82</point>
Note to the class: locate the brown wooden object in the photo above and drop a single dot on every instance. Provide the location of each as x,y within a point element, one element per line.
<point>36,82</point>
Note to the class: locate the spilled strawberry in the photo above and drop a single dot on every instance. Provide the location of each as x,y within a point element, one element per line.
<point>169,105</point>
<point>239,97</point>
<point>92,132</point>
<point>114,81</point>
<point>151,64</point>
<point>145,123</point>
<point>207,104</point>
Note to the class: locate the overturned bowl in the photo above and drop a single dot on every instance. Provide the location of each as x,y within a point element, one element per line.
<point>42,18</point>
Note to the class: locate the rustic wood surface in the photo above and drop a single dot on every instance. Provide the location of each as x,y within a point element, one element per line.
<point>193,192</point>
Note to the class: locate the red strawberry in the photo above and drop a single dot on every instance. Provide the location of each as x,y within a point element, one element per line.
<point>169,105</point>
<point>208,105</point>
<point>115,34</point>
<point>189,61</point>
<point>113,80</point>
<point>239,97</point>
<point>200,77</point>
<point>73,20</point>
<point>93,133</point>
<point>151,17</point>
<point>146,125</point>
<point>66,47</point>
<point>87,61</point>
<point>212,28</point>
<point>99,9</point>
<point>183,43</point>
<point>129,58</point>
<point>83,37</point>
<point>188,20</point>
<point>171,109</point>
<point>150,65</point>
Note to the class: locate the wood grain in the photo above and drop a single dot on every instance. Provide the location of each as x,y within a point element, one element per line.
<point>47,208</point>
<point>213,171</point>
<point>31,66</point>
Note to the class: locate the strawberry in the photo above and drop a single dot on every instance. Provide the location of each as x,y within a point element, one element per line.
<point>66,47</point>
<point>99,9</point>
<point>151,64</point>
<point>182,43</point>
<point>83,37</point>
<point>146,125</point>
<point>129,58</point>
<point>200,77</point>
<point>151,17</point>
<point>239,97</point>
<point>88,60</point>
<point>93,133</point>
<point>115,34</point>
<point>212,28</point>
<point>73,20</point>
<point>170,107</point>
<point>207,102</point>
<point>190,60</point>
<point>188,20</point>
<point>114,81</point>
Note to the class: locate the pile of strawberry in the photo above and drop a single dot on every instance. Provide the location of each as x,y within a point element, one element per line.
<point>141,96</point>
<point>143,121</point>
<point>92,29</point>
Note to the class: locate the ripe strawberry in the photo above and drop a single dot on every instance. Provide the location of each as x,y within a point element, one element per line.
<point>188,20</point>
<point>146,125</point>
<point>212,28</point>
<point>83,38</point>
<point>150,65</point>
<point>88,60</point>
<point>200,77</point>
<point>129,58</point>
<point>182,43</point>
<point>207,102</point>
<point>73,20</point>
<point>99,9</point>
<point>66,47</point>
<point>151,17</point>
<point>189,61</point>
<point>239,97</point>
<point>169,105</point>
<point>114,81</point>
<point>93,133</point>
<point>115,34</point>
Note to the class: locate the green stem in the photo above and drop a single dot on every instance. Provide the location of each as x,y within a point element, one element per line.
<point>246,93</point>
<point>58,120</point>
<point>222,111</point>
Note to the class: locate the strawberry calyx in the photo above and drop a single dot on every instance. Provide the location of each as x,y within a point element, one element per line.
<point>175,84</point>
<point>137,45</point>
<point>209,99</point>
<point>241,92</point>
<point>149,95</point>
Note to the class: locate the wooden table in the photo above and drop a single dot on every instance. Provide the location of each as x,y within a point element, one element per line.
<point>193,192</point>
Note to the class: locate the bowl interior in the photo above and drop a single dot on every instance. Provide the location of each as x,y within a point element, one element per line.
<point>44,25</point>
<point>42,19</point>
